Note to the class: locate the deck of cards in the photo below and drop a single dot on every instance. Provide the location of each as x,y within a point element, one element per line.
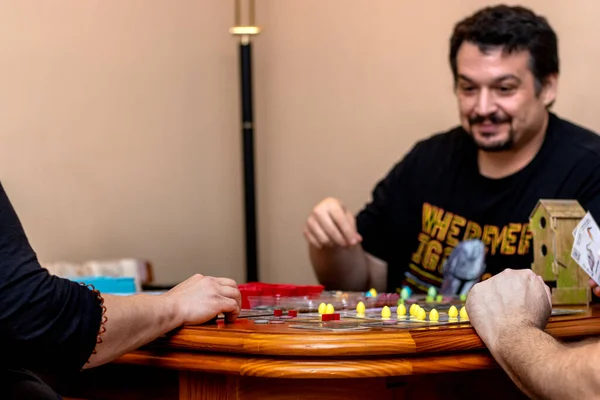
<point>586,247</point>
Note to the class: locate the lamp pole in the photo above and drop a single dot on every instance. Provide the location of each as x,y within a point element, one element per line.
<point>245,32</point>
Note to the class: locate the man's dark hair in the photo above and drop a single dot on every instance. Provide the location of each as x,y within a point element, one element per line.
<point>513,28</point>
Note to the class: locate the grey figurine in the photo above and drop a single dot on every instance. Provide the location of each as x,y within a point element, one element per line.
<point>463,268</point>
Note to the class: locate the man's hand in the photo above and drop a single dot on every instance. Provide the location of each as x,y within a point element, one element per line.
<point>331,224</point>
<point>201,298</point>
<point>595,287</point>
<point>510,299</point>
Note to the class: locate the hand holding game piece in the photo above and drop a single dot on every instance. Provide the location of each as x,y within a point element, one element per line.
<point>200,298</point>
<point>511,298</point>
<point>331,224</point>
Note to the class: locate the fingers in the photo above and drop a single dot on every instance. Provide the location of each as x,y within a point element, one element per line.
<point>230,308</point>
<point>345,226</point>
<point>320,237</point>
<point>330,227</point>
<point>231,293</point>
<point>227,282</point>
<point>597,291</point>
<point>592,283</point>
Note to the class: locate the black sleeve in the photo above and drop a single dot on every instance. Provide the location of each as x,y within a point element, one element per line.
<point>45,321</point>
<point>373,221</point>
<point>589,191</point>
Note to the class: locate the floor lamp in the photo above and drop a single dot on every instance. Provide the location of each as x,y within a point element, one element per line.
<point>245,32</point>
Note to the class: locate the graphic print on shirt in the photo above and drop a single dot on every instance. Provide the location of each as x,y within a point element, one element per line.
<point>442,230</point>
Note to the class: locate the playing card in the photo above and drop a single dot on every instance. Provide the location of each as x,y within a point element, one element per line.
<point>586,247</point>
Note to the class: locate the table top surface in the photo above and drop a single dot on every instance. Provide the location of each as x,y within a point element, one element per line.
<point>280,351</point>
<point>246,337</point>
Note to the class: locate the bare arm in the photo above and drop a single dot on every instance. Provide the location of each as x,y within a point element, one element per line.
<point>133,321</point>
<point>348,268</point>
<point>546,369</point>
<point>509,312</point>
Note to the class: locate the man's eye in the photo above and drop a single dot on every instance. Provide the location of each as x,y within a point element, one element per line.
<point>506,89</point>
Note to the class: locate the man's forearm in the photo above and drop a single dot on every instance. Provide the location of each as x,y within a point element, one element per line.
<point>132,321</point>
<point>340,268</point>
<point>546,369</point>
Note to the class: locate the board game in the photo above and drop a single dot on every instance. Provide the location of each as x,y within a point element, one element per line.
<point>352,311</point>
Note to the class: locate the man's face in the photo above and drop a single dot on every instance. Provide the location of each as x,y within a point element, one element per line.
<point>498,103</point>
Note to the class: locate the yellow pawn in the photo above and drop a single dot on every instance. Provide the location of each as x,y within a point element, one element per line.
<point>401,310</point>
<point>321,309</point>
<point>360,308</point>
<point>373,292</point>
<point>386,313</point>
<point>414,307</point>
<point>463,313</point>
<point>452,312</point>
<point>421,314</point>
<point>329,309</point>
<point>434,315</point>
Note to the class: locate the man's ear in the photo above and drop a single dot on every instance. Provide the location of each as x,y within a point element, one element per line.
<point>550,89</point>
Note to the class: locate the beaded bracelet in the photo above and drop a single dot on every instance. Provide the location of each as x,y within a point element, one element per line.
<point>104,317</point>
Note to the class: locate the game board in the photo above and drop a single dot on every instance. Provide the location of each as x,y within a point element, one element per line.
<point>303,312</point>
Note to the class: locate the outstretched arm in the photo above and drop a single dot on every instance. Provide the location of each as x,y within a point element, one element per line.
<point>509,312</point>
<point>50,322</point>
<point>133,321</point>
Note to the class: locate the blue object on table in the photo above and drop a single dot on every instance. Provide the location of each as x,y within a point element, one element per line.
<point>109,284</point>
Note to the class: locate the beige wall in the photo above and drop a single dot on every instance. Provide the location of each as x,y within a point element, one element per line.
<point>119,120</point>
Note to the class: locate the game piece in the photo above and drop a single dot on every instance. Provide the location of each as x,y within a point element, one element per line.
<point>336,316</point>
<point>413,309</point>
<point>463,297</point>
<point>421,314</point>
<point>559,229</point>
<point>373,292</point>
<point>452,312</point>
<point>401,310</point>
<point>292,313</point>
<point>432,292</point>
<point>360,308</point>
<point>327,317</point>
<point>329,309</point>
<point>434,315</point>
<point>439,298</point>
<point>321,309</point>
<point>386,313</point>
<point>463,313</point>
<point>277,312</point>
<point>400,301</point>
<point>368,294</point>
<point>429,299</point>
<point>404,294</point>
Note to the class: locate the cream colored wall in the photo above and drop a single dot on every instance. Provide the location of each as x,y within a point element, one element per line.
<point>119,120</point>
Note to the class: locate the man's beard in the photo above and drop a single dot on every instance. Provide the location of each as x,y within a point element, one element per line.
<point>495,119</point>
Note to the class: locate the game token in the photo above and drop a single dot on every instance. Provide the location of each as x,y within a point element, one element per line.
<point>336,317</point>
<point>373,292</point>
<point>439,298</point>
<point>421,314</point>
<point>404,294</point>
<point>321,309</point>
<point>292,313</point>
<point>329,309</point>
<point>452,312</point>
<point>463,313</point>
<point>463,297</point>
<point>386,313</point>
<point>432,292</point>
<point>401,310</point>
<point>434,315</point>
<point>277,312</point>
<point>414,307</point>
<point>360,307</point>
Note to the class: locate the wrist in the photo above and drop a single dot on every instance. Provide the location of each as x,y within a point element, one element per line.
<point>168,312</point>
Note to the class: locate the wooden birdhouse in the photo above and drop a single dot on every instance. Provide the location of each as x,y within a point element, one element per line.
<point>552,223</point>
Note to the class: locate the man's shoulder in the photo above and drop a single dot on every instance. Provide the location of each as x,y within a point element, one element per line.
<point>576,138</point>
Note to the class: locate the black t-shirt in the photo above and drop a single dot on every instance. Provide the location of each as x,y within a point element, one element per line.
<point>435,198</point>
<point>46,322</point>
